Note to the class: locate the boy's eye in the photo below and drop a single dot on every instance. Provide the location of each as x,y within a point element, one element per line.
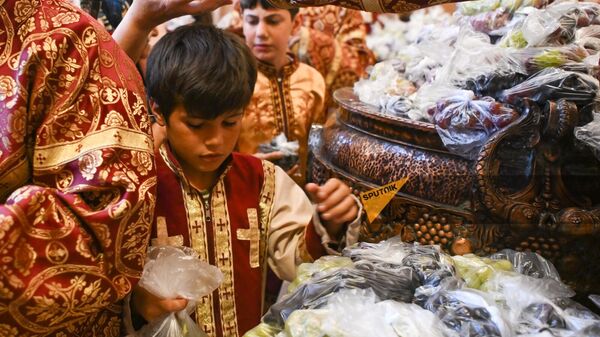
<point>251,20</point>
<point>273,21</point>
<point>195,125</point>
<point>229,123</point>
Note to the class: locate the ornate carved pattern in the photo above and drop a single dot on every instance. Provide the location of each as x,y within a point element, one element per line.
<point>549,205</point>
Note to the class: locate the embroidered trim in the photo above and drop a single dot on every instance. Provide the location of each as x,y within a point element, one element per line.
<point>198,241</point>
<point>224,260</point>
<point>252,234</point>
<point>267,196</point>
<point>46,157</point>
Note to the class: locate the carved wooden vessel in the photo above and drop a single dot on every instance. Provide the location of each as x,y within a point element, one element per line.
<point>531,188</point>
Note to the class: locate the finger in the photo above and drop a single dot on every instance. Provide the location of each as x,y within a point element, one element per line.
<point>173,305</point>
<point>328,188</point>
<point>332,199</point>
<point>293,170</point>
<point>311,189</point>
<point>341,212</point>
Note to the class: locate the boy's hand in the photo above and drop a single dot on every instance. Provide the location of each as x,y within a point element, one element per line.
<point>336,206</point>
<point>152,307</point>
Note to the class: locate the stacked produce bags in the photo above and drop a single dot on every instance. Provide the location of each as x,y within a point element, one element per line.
<point>403,289</point>
<point>475,73</point>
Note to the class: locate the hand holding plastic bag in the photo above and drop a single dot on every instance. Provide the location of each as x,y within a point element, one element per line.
<point>176,272</point>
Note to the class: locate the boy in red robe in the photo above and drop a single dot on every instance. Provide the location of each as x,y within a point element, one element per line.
<point>242,214</point>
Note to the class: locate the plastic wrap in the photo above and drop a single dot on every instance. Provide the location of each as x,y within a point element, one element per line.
<point>465,123</point>
<point>528,263</point>
<point>494,83</point>
<point>289,150</point>
<point>589,134</point>
<point>323,265</point>
<point>359,313</point>
<point>397,284</point>
<point>489,22</point>
<point>467,311</point>
<point>476,271</point>
<point>554,84</point>
<point>535,305</point>
<point>176,272</point>
<point>536,59</point>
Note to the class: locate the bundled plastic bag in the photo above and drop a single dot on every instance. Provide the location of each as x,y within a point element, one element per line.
<point>468,312</point>
<point>528,263</point>
<point>554,84</point>
<point>589,134</point>
<point>536,59</point>
<point>176,272</point>
<point>359,313</point>
<point>476,271</point>
<point>465,123</point>
<point>289,150</point>
<point>325,264</point>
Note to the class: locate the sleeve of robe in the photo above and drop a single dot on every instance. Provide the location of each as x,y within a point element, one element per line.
<point>295,233</point>
<point>336,48</point>
<point>375,6</point>
<point>77,175</point>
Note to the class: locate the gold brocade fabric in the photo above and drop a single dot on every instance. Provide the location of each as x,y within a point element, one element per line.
<point>77,175</point>
<point>333,41</point>
<point>289,101</point>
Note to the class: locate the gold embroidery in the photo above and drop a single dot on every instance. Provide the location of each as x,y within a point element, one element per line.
<point>224,259</point>
<point>7,330</point>
<point>8,87</point>
<point>25,256</point>
<point>267,195</point>
<point>162,234</point>
<point>253,235</point>
<point>46,157</point>
<point>69,302</point>
<point>89,37</point>
<point>56,252</point>
<point>62,19</point>
<point>197,231</point>
<point>64,179</point>
<point>122,208</point>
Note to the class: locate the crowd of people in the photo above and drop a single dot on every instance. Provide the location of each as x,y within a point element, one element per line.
<point>109,141</point>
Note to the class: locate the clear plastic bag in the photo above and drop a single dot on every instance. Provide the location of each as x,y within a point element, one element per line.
<point>359,313</point>
<point>554,84</point>
<point>536,59</point>
<point>468,312</point>
<point>528,263</point>
<point>589,134</point>
<point>288,148</point>
<point>176,272</point>
<point>476,271</point>
<point>465,123</point>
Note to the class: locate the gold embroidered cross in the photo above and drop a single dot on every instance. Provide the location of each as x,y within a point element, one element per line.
<point>252,234</point>
<point>162,235</point>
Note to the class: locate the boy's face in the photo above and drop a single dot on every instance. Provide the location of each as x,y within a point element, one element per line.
<point>267,33</point>
<point>202,145</point>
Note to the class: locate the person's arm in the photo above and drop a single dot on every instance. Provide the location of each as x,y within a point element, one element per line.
<point>295,232</point>
<point>77,181</point>
<point>375,6</point>
<point>143,15</point>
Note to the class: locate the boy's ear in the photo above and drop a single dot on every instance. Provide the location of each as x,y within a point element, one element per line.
<point>156,114</point>
<point>297,24</point>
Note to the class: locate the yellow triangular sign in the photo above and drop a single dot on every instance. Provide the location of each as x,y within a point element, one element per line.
<point>375,200</point>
